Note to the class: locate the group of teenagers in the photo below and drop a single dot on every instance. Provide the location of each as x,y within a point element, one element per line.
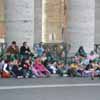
<point>22,63</point>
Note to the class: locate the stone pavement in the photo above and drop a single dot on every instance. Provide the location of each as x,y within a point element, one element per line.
<point>50,89</point>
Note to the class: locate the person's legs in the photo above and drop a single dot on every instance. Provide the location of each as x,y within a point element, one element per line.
<point>16,72</point>
<point>59,72</point>
<point>79,72</point>
<point>46,73</point>
<point>37,73</point>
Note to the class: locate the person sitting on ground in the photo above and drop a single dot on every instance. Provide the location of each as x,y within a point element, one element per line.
<point>40,50</point>
<point>84,61</point>
<point>61,70</point>
<point>12,50</point>
<point>6,70</point>
<point>39,69</point>
<point>52,67</point>
<point>97,70</point>
<point>1,65</point>
<point>16,69</point>
<point>81,52</point>
<point>92,56</point>
<point>43,57</point>
<point>89,71</point>
<point>25,50</point>
<point>26,68</point>
<point>72,71</point>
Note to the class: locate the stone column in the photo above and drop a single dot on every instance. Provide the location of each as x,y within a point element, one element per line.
<point>20,21</point>
<point>2,21</point>
<point>81,24</point>
<point>38,21</point>
<point>97,21</point>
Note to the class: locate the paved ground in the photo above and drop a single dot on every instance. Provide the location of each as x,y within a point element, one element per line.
<point>54,88</point>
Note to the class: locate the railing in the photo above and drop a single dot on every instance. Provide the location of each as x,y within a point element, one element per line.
<point>97,48</point>
<point>3,47</point>
<point>57,50</point>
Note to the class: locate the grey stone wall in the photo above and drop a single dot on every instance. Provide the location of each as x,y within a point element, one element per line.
<point>97,21</point>
<point>19,21</point>
<point>81,24</point>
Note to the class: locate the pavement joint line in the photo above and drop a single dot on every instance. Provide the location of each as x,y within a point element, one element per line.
<point>49,86</point>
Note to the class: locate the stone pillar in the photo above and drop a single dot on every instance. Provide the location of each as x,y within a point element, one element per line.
<point>2,21</point>
<point>81,24</point>
<point>38,21</point>
<point>97,22</point>
<point>20,21</point>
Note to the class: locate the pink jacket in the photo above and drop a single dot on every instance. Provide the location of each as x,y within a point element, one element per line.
<point>39,66</point>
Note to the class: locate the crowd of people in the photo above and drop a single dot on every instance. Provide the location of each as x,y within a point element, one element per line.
<point>23,63</point>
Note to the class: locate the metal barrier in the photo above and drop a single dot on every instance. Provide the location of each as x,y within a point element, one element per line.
<point>58,50</point>
<point>3,47</point>
<point>97,48</point>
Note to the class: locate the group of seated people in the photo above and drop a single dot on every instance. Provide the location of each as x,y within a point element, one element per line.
<point>22,63</point>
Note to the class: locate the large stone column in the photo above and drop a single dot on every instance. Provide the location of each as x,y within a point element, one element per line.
<point>38,21</point>
<point>97,22</point>
<point>20,21</point>
<point>81,24</point>
<point>2,22</point>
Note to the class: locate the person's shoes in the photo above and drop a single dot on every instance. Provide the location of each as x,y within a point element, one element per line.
<point>19,77</point>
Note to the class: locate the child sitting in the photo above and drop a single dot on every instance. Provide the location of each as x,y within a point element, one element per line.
<point>26,68</point>
<point>6,70</point>
<point>61,70</point>
<point>39,69</point>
